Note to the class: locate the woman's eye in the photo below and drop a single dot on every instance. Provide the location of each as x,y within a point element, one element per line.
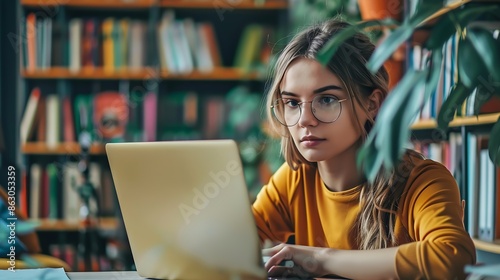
<point>328,99</point>
<point>291,102</point>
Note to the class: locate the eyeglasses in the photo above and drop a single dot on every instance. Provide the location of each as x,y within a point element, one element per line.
<point>325,108</point>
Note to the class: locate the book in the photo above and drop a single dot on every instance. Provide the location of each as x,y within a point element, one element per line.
<point>59,45</point>
<point>75,44</point>
<point>150,115</point>
<point>53,191</point>
<point>83,111</point>
<point>41,122</point>
<point>165,40</point>
<point>89,44</point>
<point>72,179</point>
<point>249,47</point>
<point>108,60</point>
<point>31,41</point>
<point>211,43</point>
<point>137,47</point>
<point>35,186</point>
<point>68,122</point>
<point>181,45</point>
<point>53,125</point>
<point>472,185</point>
<point>28,118</point>
<point>110,114</point>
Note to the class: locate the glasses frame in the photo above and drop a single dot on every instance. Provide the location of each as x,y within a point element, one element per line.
<point>300,110</point>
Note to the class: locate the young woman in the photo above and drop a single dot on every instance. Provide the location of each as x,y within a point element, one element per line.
<point>405,225</point>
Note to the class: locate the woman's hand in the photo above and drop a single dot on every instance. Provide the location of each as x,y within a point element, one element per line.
<point>307,260</point>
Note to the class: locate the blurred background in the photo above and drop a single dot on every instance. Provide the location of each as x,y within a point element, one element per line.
<point>77,74</point>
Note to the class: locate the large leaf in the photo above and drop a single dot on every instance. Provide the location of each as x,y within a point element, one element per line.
<point>487,49</point>
<point>400,35</point>
<point>470,64</point>
<point>494,143</point>
<point>481,96</point>
<point>331,47</point>
<point>456,98</point>
<point>390,133</point>
<point>24,227</point>
<point>448,24</point>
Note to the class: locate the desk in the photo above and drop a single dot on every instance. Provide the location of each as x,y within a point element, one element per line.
<point>105,275</point>
<point>113,275</point>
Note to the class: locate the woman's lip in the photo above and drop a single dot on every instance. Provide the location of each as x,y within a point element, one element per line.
<point>303,139</point>
<point>311,142</point>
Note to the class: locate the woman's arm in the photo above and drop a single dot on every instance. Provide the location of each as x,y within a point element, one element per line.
<point>438,246</point>
<point>315,261</point>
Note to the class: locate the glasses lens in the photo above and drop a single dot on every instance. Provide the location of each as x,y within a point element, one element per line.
<point>326,108</point>
<point>286,111</point>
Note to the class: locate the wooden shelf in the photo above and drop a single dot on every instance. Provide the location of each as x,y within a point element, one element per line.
<point>144,4</point>
<point>210,4</point>
<point>115,4</point>
<point>465,121</point>
<point>421,35</point>
<point>105,224</point>
<point>41,148</point>
<point>220,73</point>
<point>434,17</point>
<point>90,74</point>
<point>492,247</point>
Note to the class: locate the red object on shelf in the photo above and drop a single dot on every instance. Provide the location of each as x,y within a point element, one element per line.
<point>380,9</point>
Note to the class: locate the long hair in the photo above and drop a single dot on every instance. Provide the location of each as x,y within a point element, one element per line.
<point>374,227</point>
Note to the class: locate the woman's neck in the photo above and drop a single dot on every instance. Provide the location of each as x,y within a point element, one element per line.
<point>341,173</point>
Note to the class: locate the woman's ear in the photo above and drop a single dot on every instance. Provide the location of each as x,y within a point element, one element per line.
<point>374,102</point>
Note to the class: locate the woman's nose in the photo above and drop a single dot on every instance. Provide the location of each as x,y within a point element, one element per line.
<point>307,117</point>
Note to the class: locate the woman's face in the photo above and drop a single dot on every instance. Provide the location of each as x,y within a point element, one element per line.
<point>318,141</point>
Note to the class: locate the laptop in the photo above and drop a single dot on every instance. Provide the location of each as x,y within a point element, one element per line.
<point>186,209</point>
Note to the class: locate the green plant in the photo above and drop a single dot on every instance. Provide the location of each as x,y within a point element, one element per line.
<point>11,245</point>
<point>304,13</point>
<point>478,68</point>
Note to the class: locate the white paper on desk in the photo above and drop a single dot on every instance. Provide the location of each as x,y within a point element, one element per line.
<point>35,273</point>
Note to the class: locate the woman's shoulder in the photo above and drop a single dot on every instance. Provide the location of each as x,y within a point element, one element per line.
<point>419,165</point>
<point>423,173</point>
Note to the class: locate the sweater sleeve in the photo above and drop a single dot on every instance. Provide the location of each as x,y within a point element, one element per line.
<point>433,215</point>
<point>271,208</point>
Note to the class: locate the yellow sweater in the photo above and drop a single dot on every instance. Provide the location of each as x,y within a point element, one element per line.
<point>434,243</point>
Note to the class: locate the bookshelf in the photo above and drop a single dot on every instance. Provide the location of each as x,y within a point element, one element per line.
<point>104,224</point>
<point>83,67</point>
<point>218,73</point>
<point>181,4</point>
<point>487,246</point>
<point>484,119</point>
<point>463,147</point>
<point>68,148</point>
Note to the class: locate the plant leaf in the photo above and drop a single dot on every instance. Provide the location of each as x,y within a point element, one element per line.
<point>386,141</point>
<point>494,143</point>
<point>488,50</point>
<point>448,23</point>
<point>482,95</point>
<point>470,64</point>
<point>399,36</point>
<point>456,98</point>
<point>331,47</point>
<point>26,226</point>
<point>395,116</point>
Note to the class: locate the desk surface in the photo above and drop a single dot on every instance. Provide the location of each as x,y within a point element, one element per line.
<point>104,275</point>
<point>112,275</point>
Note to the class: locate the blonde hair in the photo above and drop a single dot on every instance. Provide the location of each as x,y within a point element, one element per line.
<point>374,227</point>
